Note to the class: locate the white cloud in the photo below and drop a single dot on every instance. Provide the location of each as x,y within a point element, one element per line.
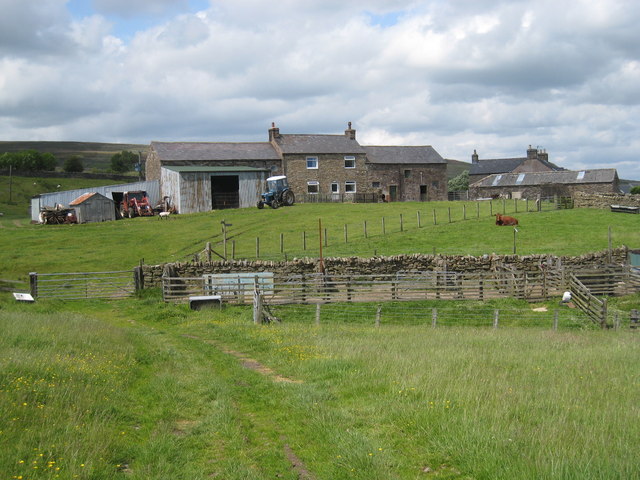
<point>458,75</point>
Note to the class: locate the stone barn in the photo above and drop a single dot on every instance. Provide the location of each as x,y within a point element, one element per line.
<point>93,207</point>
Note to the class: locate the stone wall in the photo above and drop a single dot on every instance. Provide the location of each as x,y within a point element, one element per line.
<point>384,265</point>
<point>605,200</point>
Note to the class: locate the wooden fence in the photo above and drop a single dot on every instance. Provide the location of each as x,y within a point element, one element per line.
<point>85,285</point>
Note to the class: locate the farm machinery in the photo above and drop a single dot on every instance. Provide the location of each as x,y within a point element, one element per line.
<point>278,193</point>
<point>135,204</point>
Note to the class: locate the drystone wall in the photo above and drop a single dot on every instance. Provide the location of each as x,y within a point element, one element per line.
<point>605,200</point>
<point>385,265</point>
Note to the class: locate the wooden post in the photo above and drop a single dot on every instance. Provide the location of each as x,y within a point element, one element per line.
<point>449,214</point>
<point>224,238</point>
<point>257,247</point>
<point>346,234</point>
<point>317,314</point>
<point>257,303</point>
<point>555,320</point>
<point>491,208</point>
<point>401,224</point>
<point>496,315</point>
<point>418,215</point>
<point>435,221</point>
<point>383,227</point>
<point>233,249</point>
<point>434,317</point>
<point>610,248</point>
<point>464,211</point>
<point>378,312</point>
<point>515,204</point>
<point>207,250</point>
<point>282,243</point>
<point>504,206</point>
<point>365,228</point>
<point>478,210</point>
<point>634,318</point>
<point>304,240</point>
<point>325,237</point>
<point>616,321</point>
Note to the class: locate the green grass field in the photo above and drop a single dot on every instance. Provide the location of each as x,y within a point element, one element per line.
<point>140,389</point>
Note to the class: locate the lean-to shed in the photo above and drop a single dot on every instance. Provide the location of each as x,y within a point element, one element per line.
<point>93,207</point>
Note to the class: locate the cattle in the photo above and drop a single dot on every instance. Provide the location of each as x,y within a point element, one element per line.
<point>505,220</point>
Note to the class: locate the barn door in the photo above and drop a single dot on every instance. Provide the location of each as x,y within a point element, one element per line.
<point>225,192</point>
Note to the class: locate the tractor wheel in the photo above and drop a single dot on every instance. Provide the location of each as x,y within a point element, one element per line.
<point>275,203</point>
<point>288,198</point>
<point>260,204</point>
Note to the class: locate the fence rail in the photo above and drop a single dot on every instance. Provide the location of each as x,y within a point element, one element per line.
<point>595,308</point>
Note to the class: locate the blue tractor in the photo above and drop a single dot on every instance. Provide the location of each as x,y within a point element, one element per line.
<point>279,193</point>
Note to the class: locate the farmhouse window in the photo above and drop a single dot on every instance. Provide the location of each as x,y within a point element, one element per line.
<point>312,163</point>
<point>350,187</point>
<point>335,187</point>
<point>407,174</point>
<point>313,187</point>
<point>349,162</point>
<point>375,184</point>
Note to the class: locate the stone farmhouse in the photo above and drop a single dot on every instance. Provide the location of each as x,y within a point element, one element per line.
<point>201,176</point>
<point>534,185</point>
<point>537,160</point>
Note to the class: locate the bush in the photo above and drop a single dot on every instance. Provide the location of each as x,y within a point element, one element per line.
<point>73,164</point>
<point>636,190</point>
<point>124,161</point>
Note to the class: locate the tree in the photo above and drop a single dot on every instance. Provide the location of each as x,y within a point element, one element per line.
<point>124,161</point>
<point>73,164</point>
<point>459,183</point>
<point>635,190</point>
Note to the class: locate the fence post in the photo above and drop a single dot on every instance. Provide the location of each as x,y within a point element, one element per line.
<point>515,204</point>
<point>449,214</point>
<point>496,316</point>
<point>233,249</point>
<point>401,224</point>
<point>418,215</point>
<point>365,228</point>
<point>257,247</point>
<point>555,320</point>
<point>282,243</point>
<point>464,211</point>
<point>434,317</point>
<point>478,210</point>
<point>317,314</point>
<point>33,284</point>
<point>304,240</point>
<point>634,319</point>
<point>616,321</point>
<point>383,227</point>
<point>257,303</point>
<point>435,221</point>
<point>325,237</point>
<point>491,208</point>
<point>138,278</point>
<point>378,310</point>
<point>346,235</point>
<point>207,250</point>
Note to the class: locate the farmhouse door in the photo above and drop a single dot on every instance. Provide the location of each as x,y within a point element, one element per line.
<point>225,192</point>
<point>393,193</point>
<point>424,196</point>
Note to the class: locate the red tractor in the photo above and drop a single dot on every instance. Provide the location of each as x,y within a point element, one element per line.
<point>135,204</point>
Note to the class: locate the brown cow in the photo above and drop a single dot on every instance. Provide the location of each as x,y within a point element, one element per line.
<point>505,220</point>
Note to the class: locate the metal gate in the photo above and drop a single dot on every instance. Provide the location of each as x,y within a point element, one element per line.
<point>83,285</point>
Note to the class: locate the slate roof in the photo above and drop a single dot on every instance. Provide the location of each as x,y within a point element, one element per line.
<point>403,155</point>
<point>311,144</point>
<point>503,165</point>
<point>604,175</point>
<point>192,169</point>
<point>184,151</point>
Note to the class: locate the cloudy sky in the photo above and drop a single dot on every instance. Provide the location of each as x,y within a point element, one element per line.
<point>460,75</point>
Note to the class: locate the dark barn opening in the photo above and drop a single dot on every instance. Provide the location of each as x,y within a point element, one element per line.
<point>225,192</point>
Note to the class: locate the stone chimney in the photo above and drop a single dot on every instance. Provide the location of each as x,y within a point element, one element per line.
<point>274,132</point>
<point>350,132</point>
<point>532,153</point>
<point>474,157</point>
<point>543,155</point>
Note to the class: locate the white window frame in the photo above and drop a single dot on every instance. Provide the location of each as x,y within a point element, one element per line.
<point>349,184</point>
<point>313,184</point>
<point>335,187</point>
<point>349,158</point>
<point>314,161</point>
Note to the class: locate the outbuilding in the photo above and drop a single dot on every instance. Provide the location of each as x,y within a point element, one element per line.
<point>93,207</point>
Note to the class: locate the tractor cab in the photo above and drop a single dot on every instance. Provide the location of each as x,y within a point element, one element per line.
<point>278,193</point>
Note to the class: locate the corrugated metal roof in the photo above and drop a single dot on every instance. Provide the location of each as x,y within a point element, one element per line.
<point>403,155</point>
<point>186,169</point>
<point>311,144</point>
<point>81,199</point>
<point>183,151</point>
<point>603,175</point>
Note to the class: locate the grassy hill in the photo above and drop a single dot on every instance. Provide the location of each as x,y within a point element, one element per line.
<point>95,156</point>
